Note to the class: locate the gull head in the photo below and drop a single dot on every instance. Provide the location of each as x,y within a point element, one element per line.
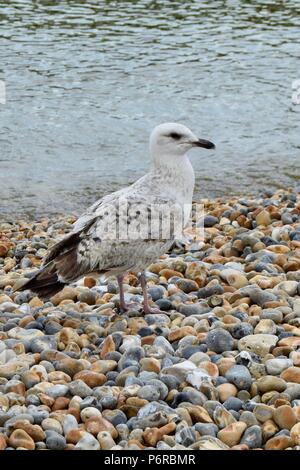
<point>173,139</point>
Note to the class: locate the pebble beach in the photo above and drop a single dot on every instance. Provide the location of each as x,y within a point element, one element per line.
<point>218,369</point>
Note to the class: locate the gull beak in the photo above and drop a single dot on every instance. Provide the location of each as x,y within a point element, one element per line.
<point>206,144</point>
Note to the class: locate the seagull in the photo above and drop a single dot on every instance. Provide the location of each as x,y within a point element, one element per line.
<point>122,232</point>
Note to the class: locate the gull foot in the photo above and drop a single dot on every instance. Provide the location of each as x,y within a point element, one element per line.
<point>131,306</point>
<point>148,310</point>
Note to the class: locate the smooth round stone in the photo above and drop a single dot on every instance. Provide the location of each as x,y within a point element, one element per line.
<point>149,393</point>
<point>80,388</point>
<point>50,424</point>
<point>188,351</point>
<point>52,327</point>
<point>87,442</point>
<point>32,400</point>
<point>293,391</point>
<point>219,340</point>
<point>113,356</point>
<point>277,365</point>
<point>185,436</point>
<point>170,381</point>
<point>206,429</point>
<point>239,376</point>
<point>233,403</point>
<point>164,304</point>
<point>20,438</point>
<point>88,412</point>
<point>232,434</point>
<point>240,330</point>
<point>210,220</point>
<point>160,387</point>
<point>39,415</point>
<point>252,437</point>
<point>248,418</point>
<point>156,292</point>
<point>58,390</point>
<point>87,296</point>
<point>270,383</point>
<point>69,422</point>
<point>272,314</point>
<point>263,412</point>
<point>145,331</point>
<point>285,417</point>
<point>55,441</point>
<point>108,402</point>
<point>187,285</point>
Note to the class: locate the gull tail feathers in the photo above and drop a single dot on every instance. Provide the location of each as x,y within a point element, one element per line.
<point>45,282</point>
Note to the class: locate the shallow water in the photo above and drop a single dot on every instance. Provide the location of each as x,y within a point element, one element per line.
<point>87,81</point>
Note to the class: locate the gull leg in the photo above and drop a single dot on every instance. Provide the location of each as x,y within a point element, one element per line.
<point>124,307</point>
<point>147,309</point>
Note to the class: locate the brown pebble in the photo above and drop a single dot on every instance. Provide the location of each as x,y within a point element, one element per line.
<point>285,417</point>
<point>175,335</point>
<point>231,434</point>
<point>61,403</point>
<point>33,430</point>
<point>108,346</point>
<point>68,293</point>
<point>96,424</point>
<point>278,443</point>
<point>167,273</point>
<point>226,391</point>
<point>75,435</point>
<point>20,438</point>
<point>92,379</point>
<point>150,364</point>
<point>89,282</point>
<point>292,374</point>
<point>3,443</point>
<point>199,414</point>
<point>269,429</point>
<point>152,435</point>
<point>295,434</point>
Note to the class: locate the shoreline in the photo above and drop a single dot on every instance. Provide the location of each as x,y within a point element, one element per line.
<point>220,369</point>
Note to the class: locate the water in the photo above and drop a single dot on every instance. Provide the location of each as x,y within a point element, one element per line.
<point>88,80</point>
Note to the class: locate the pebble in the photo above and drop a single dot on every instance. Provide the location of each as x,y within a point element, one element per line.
<point>240,377</point>
<point>252,437</point>
<point>55,441</point>
<point>219,340</point>
<point>231,434</point>
<point>285,417</point>
<point>260,344</point>
<point>87,442</point>
<point>20,439</point>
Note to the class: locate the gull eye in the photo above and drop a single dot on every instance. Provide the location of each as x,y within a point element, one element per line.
<point>175,136</point>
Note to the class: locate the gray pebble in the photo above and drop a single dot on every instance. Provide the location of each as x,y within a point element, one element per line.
<point>219,340</point>
<point>239,376</point>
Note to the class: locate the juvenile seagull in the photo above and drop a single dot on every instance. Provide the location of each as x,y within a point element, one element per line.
<point>115,235</point>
